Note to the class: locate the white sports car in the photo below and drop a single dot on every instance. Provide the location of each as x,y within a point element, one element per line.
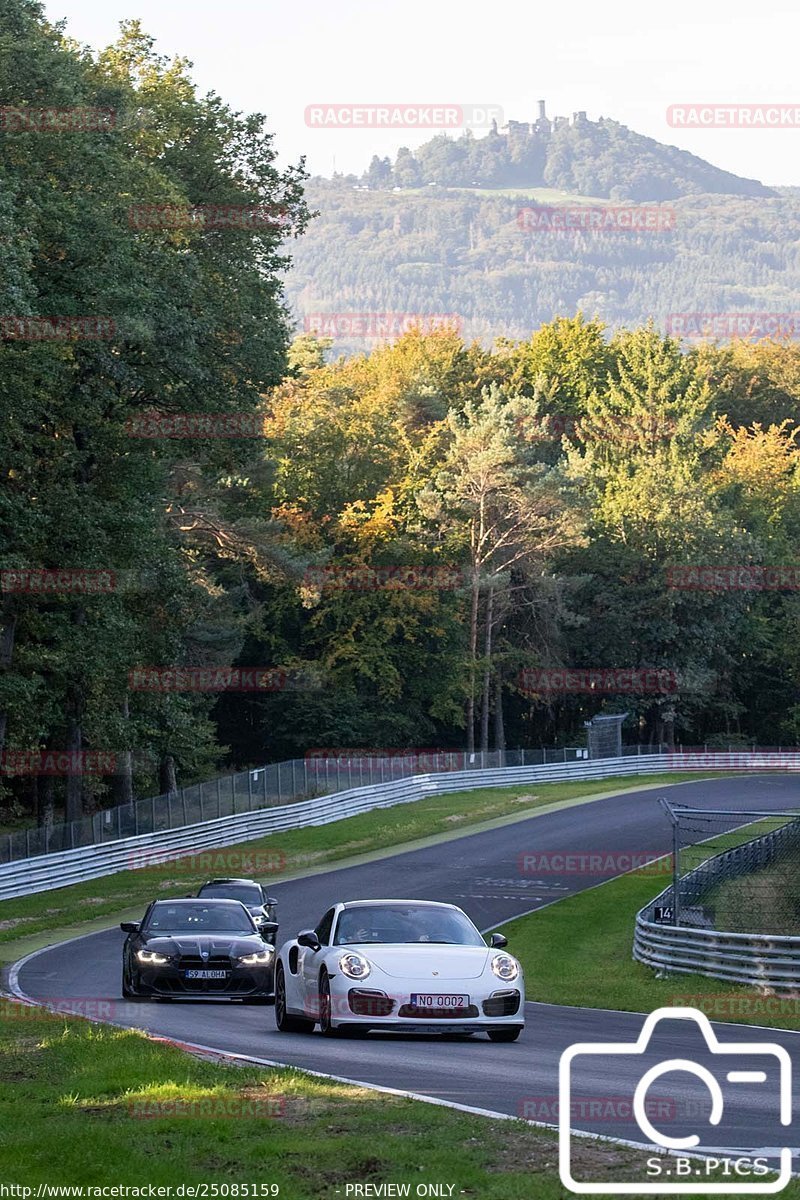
<point>398,964</point>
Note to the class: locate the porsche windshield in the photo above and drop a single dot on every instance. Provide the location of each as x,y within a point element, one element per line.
<point>405,924</point>
<point>199,918</point>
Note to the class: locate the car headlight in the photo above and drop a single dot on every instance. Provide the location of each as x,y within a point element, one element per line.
<point>505,967</point>
<point>354,966</point>
<point>258,958</point>
<point>152,957</point>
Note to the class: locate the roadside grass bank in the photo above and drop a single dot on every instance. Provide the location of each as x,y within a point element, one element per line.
<point>578,951</point>
<point>299,851</point>
<point>766,901</point>
<point>97,1106</point>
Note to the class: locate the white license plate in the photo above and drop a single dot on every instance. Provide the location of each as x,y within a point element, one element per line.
<point>205,974</point>
<point>424,1000</point>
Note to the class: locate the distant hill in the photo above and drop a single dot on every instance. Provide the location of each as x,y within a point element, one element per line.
<point>440,251</point>
<point>444,231</point>
<point>591,158</point>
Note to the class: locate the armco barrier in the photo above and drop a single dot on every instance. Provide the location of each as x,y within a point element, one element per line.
<point>48,871</point>
<point>268,786</point>
<point>760,960</point>
<point>766,961</point>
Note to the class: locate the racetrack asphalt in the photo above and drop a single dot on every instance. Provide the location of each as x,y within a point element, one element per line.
<point>481,873</point>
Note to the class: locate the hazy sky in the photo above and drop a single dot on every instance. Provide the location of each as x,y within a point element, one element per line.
<point>618,59</point>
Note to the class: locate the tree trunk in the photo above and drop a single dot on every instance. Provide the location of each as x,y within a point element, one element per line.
<point>167,780</point>
<point>473,654</point>
<point>6,656</point>
<point>122,784</point>
<point>45,806</point>
<point>73,804</point>
<point>669,727</point>
<point>487,671</point>
<point>499,725</point>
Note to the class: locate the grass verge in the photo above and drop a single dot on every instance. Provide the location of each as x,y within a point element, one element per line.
<point>297,850</point>
<point>578,951</point>
<point>95,1106</point>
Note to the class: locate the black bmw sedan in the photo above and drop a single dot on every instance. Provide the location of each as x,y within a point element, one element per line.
<point>206,949</point>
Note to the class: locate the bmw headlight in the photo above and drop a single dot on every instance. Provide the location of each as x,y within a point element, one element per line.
<point>505,967</point>
<point>354,966</point>
<point>152,957</point>
<point>259,958</point>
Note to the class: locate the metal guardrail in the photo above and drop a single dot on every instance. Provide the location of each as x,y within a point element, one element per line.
<point>50,871</point>
<point>768,961</point>
<point>274,784</point>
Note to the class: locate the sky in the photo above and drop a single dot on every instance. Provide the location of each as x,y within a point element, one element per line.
<point>621,59</point>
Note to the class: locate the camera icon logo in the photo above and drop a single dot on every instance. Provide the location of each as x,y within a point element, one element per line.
<point>695,1183</point>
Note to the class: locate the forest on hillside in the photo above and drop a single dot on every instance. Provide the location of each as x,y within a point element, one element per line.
<point>593,158</point>
<point>385,546</point>
<point>482,257</point>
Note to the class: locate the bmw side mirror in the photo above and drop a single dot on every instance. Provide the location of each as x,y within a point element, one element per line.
<point>498,941</point>
<point>309,939</point>
<point>268,931</point>
<point>130,926</point>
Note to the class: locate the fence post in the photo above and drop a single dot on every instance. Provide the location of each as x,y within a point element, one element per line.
<point>294,780</point>
<point>219,797</point>
<point>278,773</point>
<point>676,872</point>
<point>249,790</point>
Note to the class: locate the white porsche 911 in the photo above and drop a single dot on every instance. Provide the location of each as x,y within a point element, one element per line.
<point>413,965</point>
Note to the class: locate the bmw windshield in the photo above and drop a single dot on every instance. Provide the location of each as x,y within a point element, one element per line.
<point>199,918</point>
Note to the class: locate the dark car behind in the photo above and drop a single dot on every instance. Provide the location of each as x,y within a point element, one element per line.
<point>197,948</point>
<point>262,908</point>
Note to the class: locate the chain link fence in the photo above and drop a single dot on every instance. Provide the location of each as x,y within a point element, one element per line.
<point>265,787</point>
<point>732,870</point>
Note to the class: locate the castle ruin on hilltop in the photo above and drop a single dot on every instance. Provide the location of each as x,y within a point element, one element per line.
<point>541,127</point>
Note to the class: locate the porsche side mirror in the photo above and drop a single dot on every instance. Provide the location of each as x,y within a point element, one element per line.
<point>130,926</point>
<point>309,939</point>
<point>498,941</point>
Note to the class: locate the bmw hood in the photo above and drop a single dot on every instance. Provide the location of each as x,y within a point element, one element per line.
<point>415,960</point>
<point>215,945</point>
